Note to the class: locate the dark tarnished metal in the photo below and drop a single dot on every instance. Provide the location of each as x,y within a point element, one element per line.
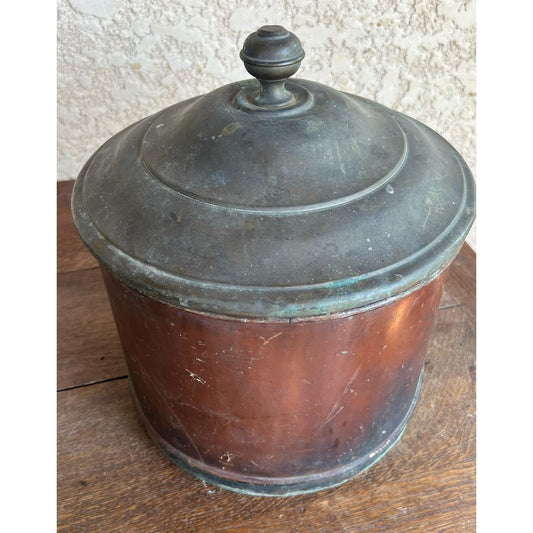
<point>272,54</point>
<point>326,204</point>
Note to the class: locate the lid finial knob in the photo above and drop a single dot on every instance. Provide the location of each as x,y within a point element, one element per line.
<point>272,54</point>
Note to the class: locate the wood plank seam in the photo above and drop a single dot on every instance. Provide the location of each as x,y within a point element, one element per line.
<point>88,384</point>
<point>449,306</point>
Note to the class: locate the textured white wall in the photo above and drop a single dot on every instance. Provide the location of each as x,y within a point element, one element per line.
<point>120,60</point>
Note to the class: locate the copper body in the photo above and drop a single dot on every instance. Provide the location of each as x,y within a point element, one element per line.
<point>274,407</point>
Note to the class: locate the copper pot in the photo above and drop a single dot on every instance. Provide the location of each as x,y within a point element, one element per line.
<point>274,253</point>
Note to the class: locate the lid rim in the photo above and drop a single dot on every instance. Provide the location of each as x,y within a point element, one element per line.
<point>253,309</point>
<point>331,297</point>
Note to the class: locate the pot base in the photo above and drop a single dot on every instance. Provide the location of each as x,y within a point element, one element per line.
<point>286,486</point>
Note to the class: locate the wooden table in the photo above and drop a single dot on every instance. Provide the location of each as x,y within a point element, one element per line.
<point>112,477</point>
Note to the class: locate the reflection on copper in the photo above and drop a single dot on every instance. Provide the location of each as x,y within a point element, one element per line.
<point>399,320</point>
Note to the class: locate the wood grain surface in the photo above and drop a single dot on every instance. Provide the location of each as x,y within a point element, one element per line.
<point>112,477</point>
<point>71,252</point>
<point>88,344</point>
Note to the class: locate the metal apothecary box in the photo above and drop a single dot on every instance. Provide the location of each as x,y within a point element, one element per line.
<point>274,252</point>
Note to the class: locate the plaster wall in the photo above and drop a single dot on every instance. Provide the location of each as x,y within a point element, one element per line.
<point>120,60</point>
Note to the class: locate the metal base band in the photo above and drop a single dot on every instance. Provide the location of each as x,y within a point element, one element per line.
<point>286,486</point>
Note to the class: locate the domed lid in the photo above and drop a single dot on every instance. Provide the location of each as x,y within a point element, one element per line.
<point>271,198</point>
